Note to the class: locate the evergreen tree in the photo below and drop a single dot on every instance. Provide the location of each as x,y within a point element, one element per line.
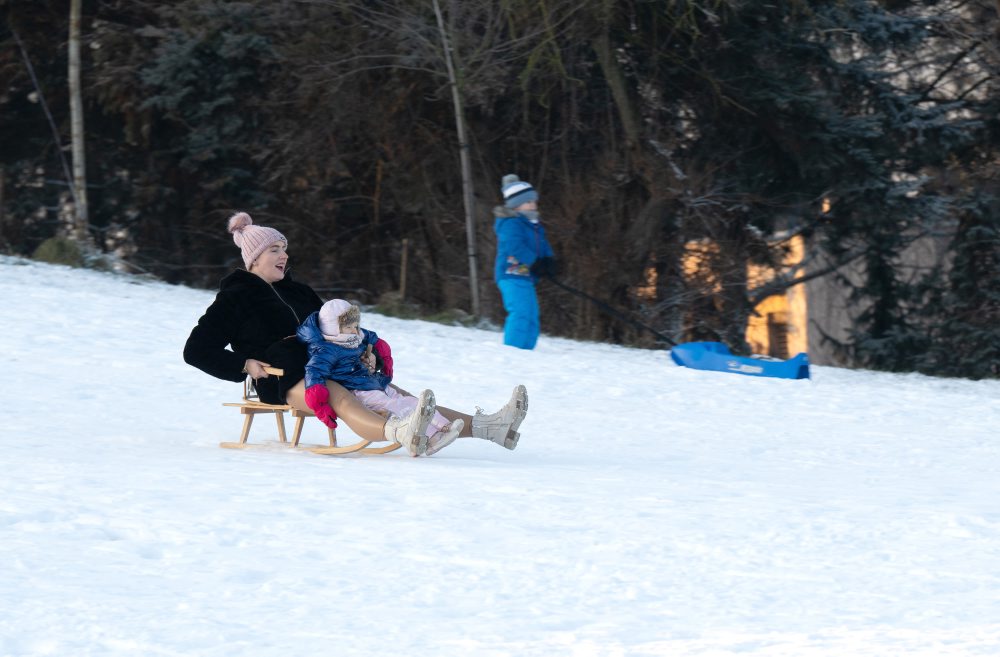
<point>962,311</point>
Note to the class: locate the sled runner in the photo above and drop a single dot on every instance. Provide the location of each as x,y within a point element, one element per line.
<point>716,356</point>
<point>251,406</point>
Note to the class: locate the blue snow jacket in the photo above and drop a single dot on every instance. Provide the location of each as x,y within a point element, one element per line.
<point>334,362</point>
<point>519,243</point>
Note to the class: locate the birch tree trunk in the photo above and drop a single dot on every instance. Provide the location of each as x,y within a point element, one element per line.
<point>463,151</point>
<point>3,217</point>
<point>81,224</point>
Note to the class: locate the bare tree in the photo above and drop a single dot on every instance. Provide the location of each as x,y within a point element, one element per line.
<point>468,195</point>
<point>470,47</point>
<point>81,225</point>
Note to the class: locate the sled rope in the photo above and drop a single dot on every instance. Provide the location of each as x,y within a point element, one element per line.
<point>607,308</point>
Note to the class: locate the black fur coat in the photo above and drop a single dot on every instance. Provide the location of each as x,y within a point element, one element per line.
<point>253,318</point>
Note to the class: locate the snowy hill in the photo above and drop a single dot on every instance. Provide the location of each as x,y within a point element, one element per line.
<point>648,510</point>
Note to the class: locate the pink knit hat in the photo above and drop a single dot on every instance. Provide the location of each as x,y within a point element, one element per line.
<point>329,316</point>
<point>252,240</point>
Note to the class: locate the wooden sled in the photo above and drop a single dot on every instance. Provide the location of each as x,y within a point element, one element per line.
<point>251,406</point>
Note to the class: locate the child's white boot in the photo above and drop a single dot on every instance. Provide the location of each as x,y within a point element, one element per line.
<point>411,431</point>
<point>446,436</point>
<point>501,427</point>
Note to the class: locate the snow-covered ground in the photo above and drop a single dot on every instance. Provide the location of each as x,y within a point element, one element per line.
<point>648,510</point>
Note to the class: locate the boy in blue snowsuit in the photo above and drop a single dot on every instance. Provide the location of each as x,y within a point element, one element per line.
<point>523,255</point>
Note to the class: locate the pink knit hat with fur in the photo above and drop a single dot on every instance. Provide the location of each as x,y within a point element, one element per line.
<point>252,240</point>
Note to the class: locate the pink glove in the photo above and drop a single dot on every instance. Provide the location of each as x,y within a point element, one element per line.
<point>383,351</point>
<point>317,399</point>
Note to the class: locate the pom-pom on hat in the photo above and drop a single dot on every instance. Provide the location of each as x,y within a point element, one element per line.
<point>331,312</point>
<point>516,191</point>
<point>252,240</point>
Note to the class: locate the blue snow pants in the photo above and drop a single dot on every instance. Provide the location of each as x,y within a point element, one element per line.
<point>521,327</point>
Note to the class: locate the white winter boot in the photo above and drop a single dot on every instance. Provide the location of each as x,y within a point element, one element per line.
<point>501,427</point>
<point>411,431</point>
<point>445,437</point>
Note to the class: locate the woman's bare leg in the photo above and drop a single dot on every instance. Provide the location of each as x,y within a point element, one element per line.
<point>367,424</point>
<point>452,415</point>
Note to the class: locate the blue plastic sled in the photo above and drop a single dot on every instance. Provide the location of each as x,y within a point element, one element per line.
<point>716,357</point>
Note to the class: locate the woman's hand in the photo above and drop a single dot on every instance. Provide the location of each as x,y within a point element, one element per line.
<point>255,368</point>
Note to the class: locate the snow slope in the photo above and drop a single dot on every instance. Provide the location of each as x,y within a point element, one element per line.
<point>649,509</point>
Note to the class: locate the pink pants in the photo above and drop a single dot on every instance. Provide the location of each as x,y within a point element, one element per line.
<point>399,405</point>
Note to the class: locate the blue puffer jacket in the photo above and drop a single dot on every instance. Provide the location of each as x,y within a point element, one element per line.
<point>519,243</point>
<point>334,362</point>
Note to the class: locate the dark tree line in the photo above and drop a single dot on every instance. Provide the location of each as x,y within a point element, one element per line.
<point>648,126</point>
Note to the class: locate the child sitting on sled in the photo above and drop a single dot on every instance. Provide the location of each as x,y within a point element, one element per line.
<point>340,350</point>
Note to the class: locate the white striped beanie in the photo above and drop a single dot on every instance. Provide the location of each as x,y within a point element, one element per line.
<point>516,191</point>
